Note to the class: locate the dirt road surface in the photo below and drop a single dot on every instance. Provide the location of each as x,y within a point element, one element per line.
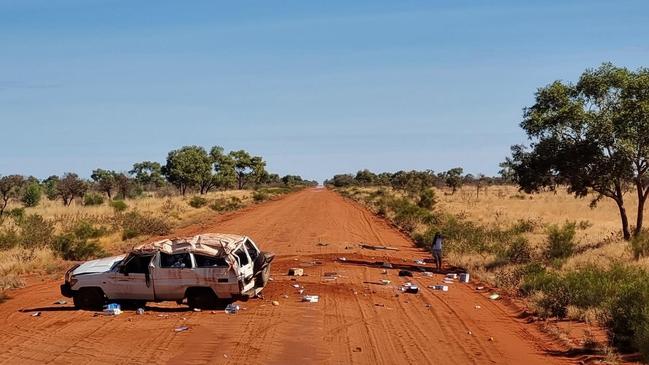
<point>356,321</point>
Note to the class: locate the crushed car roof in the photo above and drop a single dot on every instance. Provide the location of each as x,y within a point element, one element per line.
<point>215,244</point>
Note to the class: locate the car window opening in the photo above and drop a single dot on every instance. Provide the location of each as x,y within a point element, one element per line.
<point>175,261</point>
<point>243,258</point>
<point>210,261</point>
<point>137,265</point>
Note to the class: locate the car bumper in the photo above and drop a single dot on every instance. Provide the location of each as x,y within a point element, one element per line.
<point>66,291</point>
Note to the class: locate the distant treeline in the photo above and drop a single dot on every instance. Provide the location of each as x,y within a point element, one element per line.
<point>416,181</point>
<point>187,169</point>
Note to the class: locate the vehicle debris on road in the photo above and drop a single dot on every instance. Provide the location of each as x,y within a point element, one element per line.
<point>61,302</point>
<point>311,298</point>
<point>295,271</point>
<point>232,308</point>
<point>275,303</point>
<point>439,287</point>
<point>113,309</point>
<point>405,273</point>
<point>181,329</point>
<point>373,247</point>
<point>409,288</point>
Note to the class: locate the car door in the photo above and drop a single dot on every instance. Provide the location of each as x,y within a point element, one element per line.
<point>173,274</point>
<point>132,279</point>
<point>245,272</point>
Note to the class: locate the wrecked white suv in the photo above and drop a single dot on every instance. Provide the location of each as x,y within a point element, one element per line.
<point>204,270</point>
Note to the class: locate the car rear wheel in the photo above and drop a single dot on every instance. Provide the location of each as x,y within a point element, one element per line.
<point>202,298</point>
<point>89,298</point>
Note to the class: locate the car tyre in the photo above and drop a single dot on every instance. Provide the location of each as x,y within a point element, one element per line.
<point>202,298</point>
<point>89,298</point>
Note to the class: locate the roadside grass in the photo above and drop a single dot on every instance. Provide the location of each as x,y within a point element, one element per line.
<point>46,238</point>
<point>567,259</point>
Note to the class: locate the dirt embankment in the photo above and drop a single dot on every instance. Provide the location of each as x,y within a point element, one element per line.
<point>357,320</point>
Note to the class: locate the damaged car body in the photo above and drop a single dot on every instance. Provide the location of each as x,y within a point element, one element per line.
<point>205,270</point>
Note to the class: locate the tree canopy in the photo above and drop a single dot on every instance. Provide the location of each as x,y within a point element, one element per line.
<point>592,136</point>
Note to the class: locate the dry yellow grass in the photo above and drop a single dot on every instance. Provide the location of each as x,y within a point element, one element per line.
<point>505,205</point>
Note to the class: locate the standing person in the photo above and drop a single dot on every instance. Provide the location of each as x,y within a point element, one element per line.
<point>436,249</point>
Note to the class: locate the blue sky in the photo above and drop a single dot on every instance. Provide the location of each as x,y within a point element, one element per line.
<point>315,87</point>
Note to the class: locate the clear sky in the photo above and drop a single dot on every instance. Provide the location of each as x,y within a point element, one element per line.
<point>316,87</point>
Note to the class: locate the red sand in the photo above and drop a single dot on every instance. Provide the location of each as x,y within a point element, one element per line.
<point>356,321</point>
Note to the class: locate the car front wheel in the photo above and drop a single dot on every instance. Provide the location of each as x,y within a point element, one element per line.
<point>89,298</point>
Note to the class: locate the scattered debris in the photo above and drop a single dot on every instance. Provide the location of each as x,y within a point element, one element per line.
<point>61,302</point>
<point>296,286</point>
<point>232,308</point>
<point>296,271</point>
<point>197,309</point>
<point>469,333</point>
<point>427,273</point>
<point>342,259</point>
<point>439,287</point>
<point>494,296</point>
<point>479,288</point>
<point>181,329</point>
<point>379,305</point>
<point>385,282</point>
<point>491,339</point>
<point>275,303</point>
<point>139,311</point>
<point>358,349</point>
<point>36,314</point>
<point>322,244</point>
<point>464,277</point>
<point>386,265</point>
<point>451,276</point>
<point>477,307</point>
<point>311,298</point>
<point>405,273</point>
<point>285,296</point>
<point>373,247</point>
<point>420,262</point>
<point>384,272</point>
<point>113,309</point>
<point>409,288</point>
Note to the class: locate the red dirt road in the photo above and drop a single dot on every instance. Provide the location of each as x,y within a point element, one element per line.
<point>356,321</point>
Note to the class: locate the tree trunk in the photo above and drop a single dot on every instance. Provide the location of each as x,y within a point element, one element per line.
<point>642,198</point>
<point>625,220</point>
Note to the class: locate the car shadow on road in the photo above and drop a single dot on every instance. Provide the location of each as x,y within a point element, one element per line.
<point>48,309</point>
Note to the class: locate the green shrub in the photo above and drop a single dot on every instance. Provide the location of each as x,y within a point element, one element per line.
<point>222,204</point>
<point>136,224</point>
<point>408,215</point>
<point>260,196</point>
<point>119,205</point>
<point>197,202</point>
<point>427,199</point>
<point>518,251</point>
<point>523,226</point>
<point>18,214</point>
<point>70,247</point>
<point>32,195</point>
<point>86,230</point>
<point>36,231</point>
<point>629,316</point>
<point>9,238</point>
<point>640,245</point>
<point>535,277</point>
<point>561,241</point>
<point>555,300</point>
<point>93,199</point>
